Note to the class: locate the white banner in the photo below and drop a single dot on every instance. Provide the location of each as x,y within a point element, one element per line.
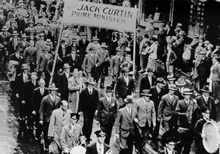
<point>100,15</point>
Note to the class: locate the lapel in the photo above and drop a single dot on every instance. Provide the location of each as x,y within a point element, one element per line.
<point>50,101</point>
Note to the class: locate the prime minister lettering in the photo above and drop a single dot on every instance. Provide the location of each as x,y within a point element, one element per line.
<point>89,8</point>
<point>81,14</point>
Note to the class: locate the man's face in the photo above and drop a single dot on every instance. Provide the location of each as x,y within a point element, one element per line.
<point>170,145</point>
<point>126,73</point>
<point>205,94</point>
<point>73,120</point>
<point>108,94</point>
<point>42,83</point>
<point>53,92</point>
<point>160,85</point>
<point>147,98</point>
<point>101,139</point>
<point>150,74</point>
<point>64,106</point>
<point>171,92</point>
<point>76,72</point>
<point>187,97</point>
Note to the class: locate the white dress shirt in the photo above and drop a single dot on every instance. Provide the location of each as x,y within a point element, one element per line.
<point>100,148</point>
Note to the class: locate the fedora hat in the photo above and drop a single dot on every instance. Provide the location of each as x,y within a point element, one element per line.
<point>108,89</point>
<point>90,80</point>
<point>48,42</point>
<point>203,52</point>
<point>95,39</point>
<point>146,92</point>
<point>205,89</point>
<point>24,67</point>
<point>187,91</point>
<point>129,99</point>
<point>171,78</point>
<point>52,87</point>
<point>160,80</point>
<point>66,66</point>
<point>83,34</point>
<point>4,28</point>
<point>74,39</point>
<point>173,88</point>
<point>24,35</point>
<point>103,45</point>
<point>100,133</point>
<point>15,33</point>
<point>179,25</point>
<point>91,47</point>
<point>34,74</point>
<point>41,34</point>
<point>180,82</point>
<point>125,69</point>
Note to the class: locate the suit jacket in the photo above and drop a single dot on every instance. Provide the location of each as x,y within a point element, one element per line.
<point>89,62</point>
<point>12,45</point>
<point>122,89</point>
<point>107,111</point>
<point>89,103</point>
<point>20,83</point>
<point>209,105</point>
<point>27,92</point>
<point>145,112</point>
<point>167,107</point>
<point>47,106</point>
<point>74,63</point>
<point>21,25</point>
<point>43,60</point>
<point>62,54</point>
<point>204,68</point>
<point>57,121</point>
<point>63,86</point>
<point>23,45</point>
<point>124,123</point>
<point>115,64</point>
<point>145,84</point>
<point>82,47</point>
<point>103,55</point>
<point>30,55</point>
<point>70,136</point>
<point>92,149</point>
<point>37,98</point>
<point>166,152</point>
<point>156,97</point>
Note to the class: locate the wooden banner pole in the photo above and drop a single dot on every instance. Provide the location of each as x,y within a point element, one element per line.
<point>56,54</point>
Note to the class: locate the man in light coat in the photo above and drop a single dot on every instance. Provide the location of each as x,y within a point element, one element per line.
<point>71,134</point>
<point>59,118</point>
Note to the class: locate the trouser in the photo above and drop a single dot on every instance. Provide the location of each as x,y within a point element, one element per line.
<point>129,142</point>
<point>45,130</point>
<point>87,123</point>
<point>186,139</point>
<point>108,130</point>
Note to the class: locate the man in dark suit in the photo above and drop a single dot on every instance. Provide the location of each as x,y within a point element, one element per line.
<point>124,86</point>
<point>166,109</point>
<point>146,119</point>
<point>186,110</point>
<point>107,110</point>
<point>83,43</point>
<point>206,102</point>
<point>89,99</point>
<point>62,51</point>
<point>19,81</point>
<point>125,126</point>
<point>37,97</point>
<point>99,147</point>
<point>49,103</point>
<point>148,80</point>
<point>169,140</point>
<point>157,92</point>
<point>204,69</point>
<point>73,59</point>
<point>63,82</point>
<point>27,92</point>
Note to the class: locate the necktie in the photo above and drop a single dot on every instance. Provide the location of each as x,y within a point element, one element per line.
<point>64,113</point>
<point>41,91</point>
<point>100,149</point>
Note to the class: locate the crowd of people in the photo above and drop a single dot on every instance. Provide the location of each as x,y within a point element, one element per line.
<point>54,85</point>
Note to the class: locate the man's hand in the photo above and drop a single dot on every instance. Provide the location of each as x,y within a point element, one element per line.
<point>117,136</point>
<point>17,95</point>
<point>34,112</point>
<point>158,119</point>
<point>216,101</point>
<point>41,122</point>
<point>136,120</point>
<point>23,102</point>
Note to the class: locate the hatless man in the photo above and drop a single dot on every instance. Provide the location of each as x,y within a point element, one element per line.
<point>59,118</point>
<point>107,110</point>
